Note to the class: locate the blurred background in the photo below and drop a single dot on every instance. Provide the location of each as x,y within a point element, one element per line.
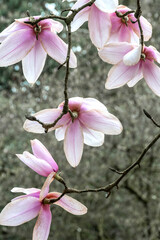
<point>133,211</point>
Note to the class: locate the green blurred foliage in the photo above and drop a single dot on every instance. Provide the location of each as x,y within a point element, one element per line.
<point>123,216</point>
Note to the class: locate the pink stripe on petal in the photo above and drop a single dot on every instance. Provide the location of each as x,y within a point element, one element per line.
<point>107,5</point>
<point>56,48</point>
<point>45,116</point>
<point>101,121</point>
<point>137,77</point>
<point>70,204</point>
<point>42,227</point>
<point>16,46</point>
<point>97,22</point>
<point>73,143</point>
<point>151,73</point>
<point>40,151</point>
<point>20,211</point>
<point>120,74</point>
<point>33,63</point>
<point>113,53</point>
<point>38,165</point>
<point>45,188</point>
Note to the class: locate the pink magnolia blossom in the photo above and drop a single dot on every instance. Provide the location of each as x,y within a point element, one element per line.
<point>26,207</point>
<point>98,19</point>
<point>31,44</point>
<point>123,30</point>
<point>131,65</point>
<point>40,161</point>
<point>91,121</point>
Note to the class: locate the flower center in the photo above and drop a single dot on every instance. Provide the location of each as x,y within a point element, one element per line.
<point>75,114</point>
<point>125,20</point>
<point>143,56</point>
<point>37,30</point>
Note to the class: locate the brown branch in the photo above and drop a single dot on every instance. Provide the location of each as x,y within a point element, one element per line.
<point>108,188</point>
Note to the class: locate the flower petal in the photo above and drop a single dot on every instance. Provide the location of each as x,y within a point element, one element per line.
<point>113,53</point>
<point>99,26</point>
<point>73,143</point>
<point>20,211</point>
<point>46,116</point>
<point>40,166</point>
<point>33,63</point>
<point>60,133</point>
<point>92,138</point>
<point>151,74</point>
<point>133,57</point>
<point>137,77</point>
<point>120,74</point>
<point>101,121</point>
<point>92,103</point>
<point>45,188</point>
<point>70,204</point>
<point>107,5</point>
<point>57,48</point>
<point>42,227</point>
<point>15,26</point>
<point>147,28</point>
<point>40,151</point>
<point>16,46</point>
<point>80,17</point>
<point>25,190</point>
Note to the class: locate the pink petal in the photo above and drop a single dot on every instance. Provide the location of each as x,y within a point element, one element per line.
<point>40,166</point>
<point>147,28</point>
<point>101,121</point>
<point>151,74</point>
<point>113,53</point>
<point>46,116</point>
<point>70,204</point>
<point>55,25</point>
<point>99,26</point>
<point>137,77</point>
<point>107,5</point>
<point>92,138</point>
<point>20,211</point>
<point>73,143</point>
<point>11,29</point>
<point>56,48</point>
<point>45,188</point>
<point>33,63</point>
<point>155,53</point>
<point>40,151</point>
<point>16,46</point>
<point>120,74</point>
<point>124,33</point>
<point>42,227</point>
<point>133,57</point>
<point>92,103</point>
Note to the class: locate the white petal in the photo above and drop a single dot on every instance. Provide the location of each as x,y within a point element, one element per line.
<point>133,57</point>
<point>92,138</point>
<point>60,133</point>
<point>107,5</point>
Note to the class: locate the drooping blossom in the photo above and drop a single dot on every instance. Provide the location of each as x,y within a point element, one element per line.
<point>26,207</point>
<point>124,30</point>
<point>98,19</point>
<point>40,161</point>
<point>91,121</point>
<point>131,65</point>
<point>31,44</point>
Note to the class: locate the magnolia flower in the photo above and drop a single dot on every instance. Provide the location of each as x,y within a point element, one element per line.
<point>132,65</point>
<point>40,161</point>
<point>91,121</point>
<point>26,207</point>
<point>123,30</point>
<point>31,44</point>
<point>98,19</point>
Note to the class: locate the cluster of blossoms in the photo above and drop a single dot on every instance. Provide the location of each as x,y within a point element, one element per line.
<point>116,36</point>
